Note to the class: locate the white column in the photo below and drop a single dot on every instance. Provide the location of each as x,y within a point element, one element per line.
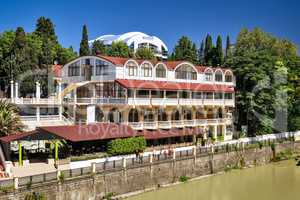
<point>38,91</point>
<point>38,117</point>
<point>59,92</point>
<point>75,95</point>
<point>224,130</point>
<point>93,168</point>
<point>16,91</point>
<point>215,131</point>
<point>16,183</point>
<point>60,110</point>
<point>12,90</point>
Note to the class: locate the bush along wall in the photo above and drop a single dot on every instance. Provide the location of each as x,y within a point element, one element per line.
<point>126,146</point>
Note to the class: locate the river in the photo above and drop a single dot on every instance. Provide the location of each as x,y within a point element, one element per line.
<point>277,181</point>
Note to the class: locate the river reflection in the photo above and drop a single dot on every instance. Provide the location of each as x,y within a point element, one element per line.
<point>279,181</point>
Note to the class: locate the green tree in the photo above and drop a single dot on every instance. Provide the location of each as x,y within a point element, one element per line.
<point>45,29</point>
<point>228,46</point>
<point>201,53</point>
<point>185,49</point>
<point>119,49</point>
<point>84,44</point>
<point>98,48</point>
<point>257,101</point>
<point>219,52</point>
<point>208,50</point>
<point>144,53</point>
<point>10,122</point>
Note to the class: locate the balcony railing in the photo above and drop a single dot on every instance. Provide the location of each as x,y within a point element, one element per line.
<point>32,101</point>
<point>152,101</point>
<point>178,123</point>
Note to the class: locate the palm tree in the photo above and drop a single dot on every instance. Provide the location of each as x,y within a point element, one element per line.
<point>10,122</point>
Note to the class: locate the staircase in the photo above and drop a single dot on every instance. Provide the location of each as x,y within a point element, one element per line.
<point>71,87</point>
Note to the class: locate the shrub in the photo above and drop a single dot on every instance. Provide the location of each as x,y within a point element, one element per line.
<point>126,146</point>
<point>183,179</point>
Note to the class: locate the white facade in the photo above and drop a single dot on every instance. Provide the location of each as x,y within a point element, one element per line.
<point>137,40</point>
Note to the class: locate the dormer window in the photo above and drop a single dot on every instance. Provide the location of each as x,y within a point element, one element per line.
<point>228,77</point>
<point>132,69</point>
<point>146,70</point>
<point>186,72</point>
<point>208,76</point>
<point>218,76</point>
<point>160,71</point>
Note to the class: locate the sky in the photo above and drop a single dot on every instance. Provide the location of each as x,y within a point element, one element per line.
<point>166,19</point>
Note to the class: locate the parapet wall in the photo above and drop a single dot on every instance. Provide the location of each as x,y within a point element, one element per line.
<point>95,186</point>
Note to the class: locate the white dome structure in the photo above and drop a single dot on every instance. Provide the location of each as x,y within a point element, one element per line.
<point>137,40</point>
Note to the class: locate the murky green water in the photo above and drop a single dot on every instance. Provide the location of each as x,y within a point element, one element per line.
<point>280,181</point>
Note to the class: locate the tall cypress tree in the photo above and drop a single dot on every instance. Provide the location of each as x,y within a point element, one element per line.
<point>185,49</point>
<point>227,51</point>
<point>201,53</point>
<point>208,50</point>
<point>84,44</point>
<point>219,51</point>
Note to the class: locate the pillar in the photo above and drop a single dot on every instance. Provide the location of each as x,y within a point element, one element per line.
<point>16,91</point>
<point>224,131</point>
<point>215,131</point>
<point>38,116</point>
<point>16,183</point>
<point>60,110</point>
<point>20,154</point>
<point>124,163</point>
<point>56,151</point>
<point>174,154</point>
<point>74,104</point>
<point>93,168</point>
<point>59,92</point>
<point>12,90</point>
<point>38,91</point>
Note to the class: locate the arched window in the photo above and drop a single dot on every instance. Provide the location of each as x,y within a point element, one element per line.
<point>228,77</point>
<point>218,76</point>
<point>133,115</point>
<point>115,116</point>
<point>162,115</point>
<point>208,75</point>
<point>74,69</point>
<point>186,72</point>
<point>176,115</point>
<point>146,70</point>
<point>187,114</point>
<point>161,71</point>
<point>132,69</point>
<point>149,116</point>
<point>99,115</point>
<point>200,114</point>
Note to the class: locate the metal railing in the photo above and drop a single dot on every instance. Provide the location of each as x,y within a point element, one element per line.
<point>152,158</point>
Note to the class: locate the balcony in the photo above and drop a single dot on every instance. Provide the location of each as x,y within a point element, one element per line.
<point>35,101</point>
<point>178,123</point>
<point>153,101</point>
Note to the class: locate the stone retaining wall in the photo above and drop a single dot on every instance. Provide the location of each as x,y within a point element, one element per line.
<point>149,176</point>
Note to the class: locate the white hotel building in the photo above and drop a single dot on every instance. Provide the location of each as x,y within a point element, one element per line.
<point>148,95</point>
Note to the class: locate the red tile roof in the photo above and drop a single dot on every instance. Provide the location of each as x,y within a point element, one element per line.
<point>17,136</point>
<point>77,133</point>
<point>115,60</point>
<point>164,85</point>
<point>97,131</point>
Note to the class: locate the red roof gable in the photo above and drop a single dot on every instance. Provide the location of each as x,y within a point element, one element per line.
<point>164,85</point>
<point>16,136</point>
